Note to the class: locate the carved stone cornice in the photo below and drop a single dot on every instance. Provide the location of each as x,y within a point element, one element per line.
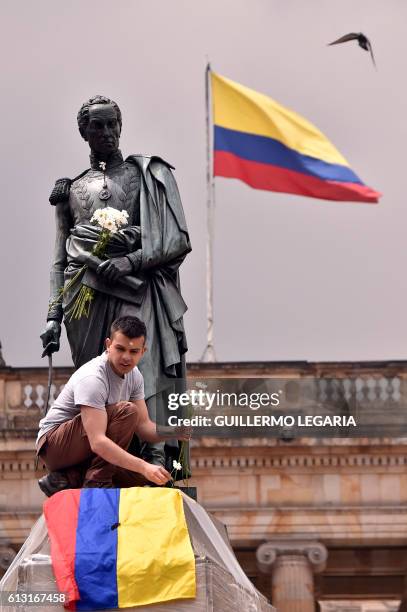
<point>240,459</point>
<point>335,525</point>
<point>301,460</point>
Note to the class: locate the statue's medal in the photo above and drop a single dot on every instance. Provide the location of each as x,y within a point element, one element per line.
<point>104,193</point>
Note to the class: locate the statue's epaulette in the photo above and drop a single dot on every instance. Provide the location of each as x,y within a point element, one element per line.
<point>60,193</point>
<point>61,190</point>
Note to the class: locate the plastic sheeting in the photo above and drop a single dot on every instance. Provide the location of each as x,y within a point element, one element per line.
<point>222,585</point>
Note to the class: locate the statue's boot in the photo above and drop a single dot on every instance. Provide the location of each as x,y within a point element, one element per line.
<point>162,453</point>
<point>153,453</point>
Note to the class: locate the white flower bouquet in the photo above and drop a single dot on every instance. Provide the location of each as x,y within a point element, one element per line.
<point>109,220</point>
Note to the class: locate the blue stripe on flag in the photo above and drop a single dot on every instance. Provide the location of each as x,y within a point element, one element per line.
<point>96,549</point>
<point>270,151</point>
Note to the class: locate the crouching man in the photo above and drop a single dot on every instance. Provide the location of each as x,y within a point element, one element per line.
<point>83,438</point>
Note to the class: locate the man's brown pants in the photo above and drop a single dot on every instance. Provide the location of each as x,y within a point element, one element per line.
<point>66,449</point>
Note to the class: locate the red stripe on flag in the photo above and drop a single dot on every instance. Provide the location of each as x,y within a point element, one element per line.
<point>273,178</point>
<point>61,514</point>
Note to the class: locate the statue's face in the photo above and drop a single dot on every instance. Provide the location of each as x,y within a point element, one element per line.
<point>103,130</point>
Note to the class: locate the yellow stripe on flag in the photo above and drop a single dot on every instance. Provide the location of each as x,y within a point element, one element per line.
<point>237,107</point>
<point>155,560</point>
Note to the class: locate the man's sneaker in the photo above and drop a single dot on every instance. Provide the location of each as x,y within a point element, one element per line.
<point>53,482</point>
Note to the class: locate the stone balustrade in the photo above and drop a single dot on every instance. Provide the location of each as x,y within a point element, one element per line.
<point>372,387</point>
<point>23,393</point>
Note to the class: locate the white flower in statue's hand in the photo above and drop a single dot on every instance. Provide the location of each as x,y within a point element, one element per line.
<point>95,216</point>
<point>109,218</point>
<point>110,225</point>
<point>176,465</point>
<point>102,166</point>
<point>124,217</point>
<point>98,216</point>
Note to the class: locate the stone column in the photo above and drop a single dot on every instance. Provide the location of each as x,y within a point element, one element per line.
<point>292,565</point>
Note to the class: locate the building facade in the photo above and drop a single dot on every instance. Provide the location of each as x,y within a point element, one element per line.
<point>318,523</point>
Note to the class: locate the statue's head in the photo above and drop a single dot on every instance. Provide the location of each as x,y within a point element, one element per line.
<point>100,124</point>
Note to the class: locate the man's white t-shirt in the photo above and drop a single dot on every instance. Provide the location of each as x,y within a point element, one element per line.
<point>94,384</point>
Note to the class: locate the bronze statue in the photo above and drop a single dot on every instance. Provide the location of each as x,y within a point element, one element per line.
<point>139,277</point>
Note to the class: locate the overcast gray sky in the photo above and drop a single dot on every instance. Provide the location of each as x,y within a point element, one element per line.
<point>295,278</point>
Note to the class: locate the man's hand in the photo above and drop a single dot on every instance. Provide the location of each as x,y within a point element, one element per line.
<point>114,268</point>
<point>156,474</point>
<point>50,337</point>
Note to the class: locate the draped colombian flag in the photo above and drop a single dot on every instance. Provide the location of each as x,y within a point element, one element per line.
<point>270,147</point>
<point>116,548</point>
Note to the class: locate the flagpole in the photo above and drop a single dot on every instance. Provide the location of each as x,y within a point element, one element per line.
<point>209,352</point>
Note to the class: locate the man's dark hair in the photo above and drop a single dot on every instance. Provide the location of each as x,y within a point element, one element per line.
<point>83,114</point>
<point>131,327</point>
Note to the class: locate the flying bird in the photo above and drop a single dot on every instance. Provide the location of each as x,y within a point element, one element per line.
<point>363,41</point>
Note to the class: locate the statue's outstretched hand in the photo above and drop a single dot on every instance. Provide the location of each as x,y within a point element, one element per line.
<point>50,338</point>
<point>114,268</point>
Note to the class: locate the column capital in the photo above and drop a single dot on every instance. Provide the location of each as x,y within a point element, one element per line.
<point>273,552</point>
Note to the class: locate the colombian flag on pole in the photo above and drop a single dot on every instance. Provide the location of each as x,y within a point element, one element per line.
<point>117,548</point>
<point>270,147</point>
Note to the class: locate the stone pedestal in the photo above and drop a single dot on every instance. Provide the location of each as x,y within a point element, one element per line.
<point>292,565</point>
